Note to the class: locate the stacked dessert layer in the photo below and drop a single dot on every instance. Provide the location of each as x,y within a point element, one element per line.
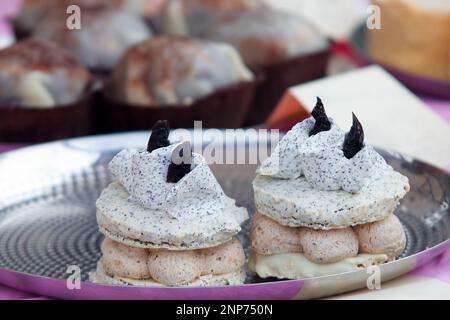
<point>167,221</point>
<point>325,203</point>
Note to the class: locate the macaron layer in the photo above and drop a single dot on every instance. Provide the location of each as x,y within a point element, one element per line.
<point>295,203</point>
<point>132,224</point>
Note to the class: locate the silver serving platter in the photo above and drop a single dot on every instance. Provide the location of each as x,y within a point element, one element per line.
<point>47,219</point>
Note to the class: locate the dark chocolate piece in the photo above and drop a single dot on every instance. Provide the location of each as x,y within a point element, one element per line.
<point>354,139</point>
<point>181,163</point>
<point>160,136</point>
<point>322,121</point>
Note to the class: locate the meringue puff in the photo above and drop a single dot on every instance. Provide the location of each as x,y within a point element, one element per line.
<point>176,71</point>
<point>235,278</point>
<point>322,252</point>
<point>124,261</point>
<point>38,73</point>
<point>385,236</point>
<point>270,237</point>
<point>172,268</point>
<point>132,224</point>
<point>327,246</point>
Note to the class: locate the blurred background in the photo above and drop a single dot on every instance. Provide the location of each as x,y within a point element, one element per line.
<point>226,63</point>
<point>120,65</point>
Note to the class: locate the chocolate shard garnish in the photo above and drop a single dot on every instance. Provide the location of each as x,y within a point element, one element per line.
<point>322,121</point>
<point>354,139</point>
<point>160,136</point>
<point>180,164</point>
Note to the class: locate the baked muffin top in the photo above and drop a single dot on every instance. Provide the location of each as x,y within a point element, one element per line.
<point>38,73</point>
<point>106,32</point>
<point>176,70</point>
<point>195,17</point>
<point>265,35</point>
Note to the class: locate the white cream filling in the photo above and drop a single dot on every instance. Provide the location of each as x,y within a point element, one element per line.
<point>297,266</point>
<point>130,220</point>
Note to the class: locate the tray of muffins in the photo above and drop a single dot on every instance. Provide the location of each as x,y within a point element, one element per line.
<point>150,216</point>
<point>226,63</point>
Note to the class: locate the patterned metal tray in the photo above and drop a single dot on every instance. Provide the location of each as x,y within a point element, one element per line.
<point>47,221</point>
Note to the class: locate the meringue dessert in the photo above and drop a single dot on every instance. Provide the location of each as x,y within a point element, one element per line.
<point>325,203</point>
<point>195,17</point>
<point>266,36</point>
<point>107,32</point>
<point>36,73</point>
<point>176,71</point>
<point>167,221</point>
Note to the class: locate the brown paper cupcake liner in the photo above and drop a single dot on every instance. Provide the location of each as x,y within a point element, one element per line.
<point>225,108</point>
<point>100,79</point>
<point>279,77</point>
<point>19,32</point>
<point>32,125</point>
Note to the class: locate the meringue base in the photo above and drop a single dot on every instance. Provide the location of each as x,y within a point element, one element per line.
<point>294,202</point>
<point>155,246</point>
<point>134,225</point>
<point>297,266</point>
<point>101,277</point>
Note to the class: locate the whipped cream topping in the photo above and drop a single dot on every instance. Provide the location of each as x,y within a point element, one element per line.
<point>329,169</point>
<point>321,160</point>
<point>285,161</point>
<point>144,174</point>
